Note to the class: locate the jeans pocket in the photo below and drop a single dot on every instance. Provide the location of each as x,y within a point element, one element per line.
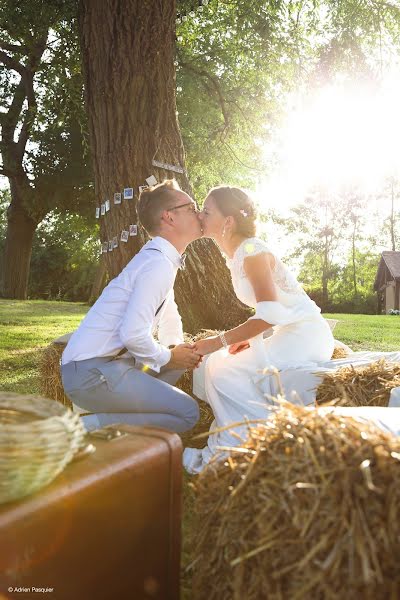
<point>77,380</point>
<point>113,372</point>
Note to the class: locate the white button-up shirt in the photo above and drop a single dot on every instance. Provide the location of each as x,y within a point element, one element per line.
<point>125,313</point>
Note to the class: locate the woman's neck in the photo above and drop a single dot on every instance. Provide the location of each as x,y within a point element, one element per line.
<point>229,246</point>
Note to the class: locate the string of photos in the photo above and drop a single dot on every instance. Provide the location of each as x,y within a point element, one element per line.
<point>128,193</point>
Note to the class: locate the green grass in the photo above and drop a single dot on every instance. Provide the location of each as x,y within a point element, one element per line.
<point>368,332</point>
<point>26,327</point>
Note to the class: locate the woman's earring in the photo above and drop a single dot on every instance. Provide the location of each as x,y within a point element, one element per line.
<point>223,232</point>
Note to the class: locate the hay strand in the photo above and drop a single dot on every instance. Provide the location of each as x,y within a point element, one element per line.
<point>368,385</point>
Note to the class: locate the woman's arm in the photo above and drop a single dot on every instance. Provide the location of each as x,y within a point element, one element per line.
<point>258,270</point>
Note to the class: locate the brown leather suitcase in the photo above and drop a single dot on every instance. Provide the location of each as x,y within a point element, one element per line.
<point>108,527</point>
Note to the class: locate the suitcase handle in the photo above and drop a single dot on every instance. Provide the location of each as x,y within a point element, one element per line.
<point>101,434</point>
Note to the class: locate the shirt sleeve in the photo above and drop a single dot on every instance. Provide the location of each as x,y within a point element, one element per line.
<point>170,329</point>
<point>136,330</point>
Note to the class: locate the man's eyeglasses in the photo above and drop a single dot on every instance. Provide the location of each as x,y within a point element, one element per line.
<point>193,207</point>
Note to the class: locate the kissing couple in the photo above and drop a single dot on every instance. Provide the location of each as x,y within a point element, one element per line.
<point>114,367</point>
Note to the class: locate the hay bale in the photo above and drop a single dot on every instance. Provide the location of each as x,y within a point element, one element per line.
<point>360,386</point>
<point>50,383</point>
<point>309,507</point>
<point>339,353</point>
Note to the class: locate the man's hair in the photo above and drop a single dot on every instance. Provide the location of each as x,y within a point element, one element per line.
<point>153,201</point>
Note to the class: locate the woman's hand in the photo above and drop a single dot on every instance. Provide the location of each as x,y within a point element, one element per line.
<point>207,345</point>
<point>238,347</point>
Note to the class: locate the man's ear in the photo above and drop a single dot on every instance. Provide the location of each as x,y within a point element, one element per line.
<point>166,217</point>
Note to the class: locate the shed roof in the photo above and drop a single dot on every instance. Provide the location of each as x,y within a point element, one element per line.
<point>390,260</point>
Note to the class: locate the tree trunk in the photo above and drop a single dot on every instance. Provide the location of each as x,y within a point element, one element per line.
<point>354,258</point>
<point>128,50</point>
<point>392,221</point>
<point>99,280</point>
<point>18,249</point>
<point>325,275</point>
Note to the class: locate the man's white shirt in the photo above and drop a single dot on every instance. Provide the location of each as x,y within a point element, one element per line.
<point>125,313</point>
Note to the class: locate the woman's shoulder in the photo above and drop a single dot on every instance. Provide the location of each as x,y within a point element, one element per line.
<point>253,246</point>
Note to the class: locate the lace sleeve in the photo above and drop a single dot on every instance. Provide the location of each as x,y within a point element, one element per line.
<point>254,246</point>
<point>250,247</point>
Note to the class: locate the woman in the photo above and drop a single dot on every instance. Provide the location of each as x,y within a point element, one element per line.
<point>300,335</point>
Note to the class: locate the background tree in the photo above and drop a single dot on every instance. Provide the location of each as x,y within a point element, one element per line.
<point>42,142</point>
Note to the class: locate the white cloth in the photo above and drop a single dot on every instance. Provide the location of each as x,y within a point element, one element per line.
<point>233,384</point>
<point>125,313</point>
<point>300,385</point>
<point>387,419</point>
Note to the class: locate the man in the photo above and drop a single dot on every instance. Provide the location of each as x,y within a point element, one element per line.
<point>112,365</point>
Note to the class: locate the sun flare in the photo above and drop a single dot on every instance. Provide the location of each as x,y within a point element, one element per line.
<point>342,136</point>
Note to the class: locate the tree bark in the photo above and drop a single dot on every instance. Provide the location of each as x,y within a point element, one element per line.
<point>128,52</point>
<point>99,280</point>
<point>392,219</point>
<point>18,248</point>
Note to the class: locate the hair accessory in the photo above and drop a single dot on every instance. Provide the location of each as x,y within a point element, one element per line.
<point>243,213</point>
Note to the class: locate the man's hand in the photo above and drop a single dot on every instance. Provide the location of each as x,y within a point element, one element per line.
<point>184,356</point>
<point>238,347</point>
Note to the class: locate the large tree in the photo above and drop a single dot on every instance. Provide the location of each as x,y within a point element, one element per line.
<point>41,136</point>
<point>128,50</point>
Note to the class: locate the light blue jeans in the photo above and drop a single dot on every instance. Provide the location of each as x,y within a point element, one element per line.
<point>117,391</point>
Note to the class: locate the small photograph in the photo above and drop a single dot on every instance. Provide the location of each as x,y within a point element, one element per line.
<point>110,246</point>
<point>103,209</point>
<point>115,242</point>
<point>107,203</point>
<point>128,193</point>
<point>97,212</point>
<point>104,247</point>
<point>142,187</point>
<point>132,229</point>
<point>117,198</point>
<point>124,236</point>
<point>151,180</point>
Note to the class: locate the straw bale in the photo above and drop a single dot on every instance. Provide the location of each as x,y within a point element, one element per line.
<point>308,508</point>
<point>368,385</point>
<point>50,382</point>
<point>339,353</point>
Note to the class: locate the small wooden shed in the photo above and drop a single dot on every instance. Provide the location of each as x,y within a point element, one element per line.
<point>387,282</point>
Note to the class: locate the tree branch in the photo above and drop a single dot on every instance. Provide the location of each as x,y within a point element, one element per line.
<point>11,63</point>
<point>30,115</point>
<point>216,86</point>
<point>6,172</point>
<point>13,47</point>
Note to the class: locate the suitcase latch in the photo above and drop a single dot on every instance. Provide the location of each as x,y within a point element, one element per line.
<point>107,434</point>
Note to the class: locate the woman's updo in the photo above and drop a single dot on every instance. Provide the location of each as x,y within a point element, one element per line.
<point>234,202</point>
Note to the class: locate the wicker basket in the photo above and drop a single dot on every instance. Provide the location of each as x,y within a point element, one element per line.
<point>38,438</point>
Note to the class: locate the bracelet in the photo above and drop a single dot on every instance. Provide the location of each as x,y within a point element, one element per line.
<point>223,339</point>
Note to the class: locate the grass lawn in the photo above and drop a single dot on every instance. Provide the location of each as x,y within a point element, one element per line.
<point>29,326</point>
<point>368,332</point>
<point>26,328</point>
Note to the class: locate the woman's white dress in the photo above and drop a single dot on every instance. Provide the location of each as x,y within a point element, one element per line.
<point>233,383</point>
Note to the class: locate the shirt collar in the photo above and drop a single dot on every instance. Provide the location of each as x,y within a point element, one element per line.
<point>167,249</point>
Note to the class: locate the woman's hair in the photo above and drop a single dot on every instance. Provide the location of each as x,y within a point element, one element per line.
<point>235,202</point>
